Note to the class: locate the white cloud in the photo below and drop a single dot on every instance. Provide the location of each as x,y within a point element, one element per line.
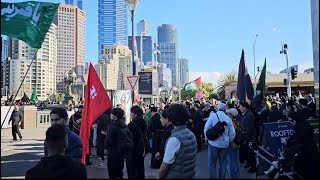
<point>275,29</point>
<point>211,77</point>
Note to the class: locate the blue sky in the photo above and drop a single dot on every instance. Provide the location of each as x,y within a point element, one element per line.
<point>211,33</point>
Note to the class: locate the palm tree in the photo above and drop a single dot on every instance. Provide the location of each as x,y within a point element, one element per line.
<point>225,81</point>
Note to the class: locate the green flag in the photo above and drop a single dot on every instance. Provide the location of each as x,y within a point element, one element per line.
<point>259,93</point>
<point>28,21</point>
<point>34,97</point>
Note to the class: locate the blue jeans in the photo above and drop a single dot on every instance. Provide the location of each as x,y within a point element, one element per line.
<point>234,162</point>
<point>215,154</point>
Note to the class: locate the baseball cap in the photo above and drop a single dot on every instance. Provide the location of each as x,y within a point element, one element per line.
<point>232,111</point>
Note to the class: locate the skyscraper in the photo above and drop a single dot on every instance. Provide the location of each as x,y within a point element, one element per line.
<point>143,28</point>
<point>146,47</point>
<point>112,24</point>
<point>184,71</point>
<point>168,46</point>
<point>78,3</point>
<point>71,23</point>
<point>164,75</point>
<point>114,67</point>
<point>42,73</point>
<point>4,56</point>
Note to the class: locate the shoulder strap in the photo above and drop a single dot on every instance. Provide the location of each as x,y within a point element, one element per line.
<point>217,116</point>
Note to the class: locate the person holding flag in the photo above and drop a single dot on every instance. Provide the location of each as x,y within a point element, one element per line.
<point>96,103</point>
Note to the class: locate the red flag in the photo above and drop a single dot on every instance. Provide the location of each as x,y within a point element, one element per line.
<point>96,102</point>
<point>198,82</point>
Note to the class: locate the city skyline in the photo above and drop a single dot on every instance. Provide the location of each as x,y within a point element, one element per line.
<point>219,32</point>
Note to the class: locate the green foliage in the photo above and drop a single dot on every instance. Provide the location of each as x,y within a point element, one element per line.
<point>225,81</point>
<point>188,94</point>
<point>207,89</point>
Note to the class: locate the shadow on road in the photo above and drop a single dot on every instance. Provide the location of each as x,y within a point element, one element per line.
<point>18,164</point>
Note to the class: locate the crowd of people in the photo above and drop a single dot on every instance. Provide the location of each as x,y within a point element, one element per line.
<point>173,133</point>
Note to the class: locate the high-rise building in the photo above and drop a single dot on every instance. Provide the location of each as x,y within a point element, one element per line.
<point>71,23</point>
<point>115,66</point>
<point>42,74</point>
<point>184,71</point>
<point>4,56</point>
<point>78,3</point>
<point>146,47</point>
<point>168,46</point>
<point>164,75</point>
<point>143,28</point>
<point>285,70</point>
<point>112,24</point>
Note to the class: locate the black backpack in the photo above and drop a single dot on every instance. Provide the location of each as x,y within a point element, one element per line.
<point>217,130</point>
<point>241,135</point>
<point>125,140</point>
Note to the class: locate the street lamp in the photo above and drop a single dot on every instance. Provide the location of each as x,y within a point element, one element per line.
<point>285,51</point>
<point>132,5</point>
<point>254,60</point>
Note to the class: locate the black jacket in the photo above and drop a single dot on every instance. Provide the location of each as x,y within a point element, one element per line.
<point>274,115</point>
<point>138,128</point>
<point>103,121</point>
<point>248,122</point>
<point>307,163</point>
<point>56,167</point>
<point>113,139</point>
<point>307,113</point>
<point>165,136</point>
<point>16,117</point>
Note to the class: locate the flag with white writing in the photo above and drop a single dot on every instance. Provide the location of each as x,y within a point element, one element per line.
<point>96,103</point>
<point>28,21</point>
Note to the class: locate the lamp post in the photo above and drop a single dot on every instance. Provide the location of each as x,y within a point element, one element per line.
<point>132,5</point>
<point>285,51</point>
<point>254,60</point>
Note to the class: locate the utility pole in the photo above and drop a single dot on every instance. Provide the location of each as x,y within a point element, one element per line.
<point>254,61</point>
<point>285,51</point>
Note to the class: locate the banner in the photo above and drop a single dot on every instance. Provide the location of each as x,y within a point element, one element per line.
<point>274,132</point>
<point>123,98</point>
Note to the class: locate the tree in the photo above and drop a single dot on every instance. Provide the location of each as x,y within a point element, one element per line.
<point>187,94</point>
<point>60,97</point>
<point>225,81</point>
<point>207,89</point>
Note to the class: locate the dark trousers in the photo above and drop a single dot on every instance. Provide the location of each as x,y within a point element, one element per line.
<point>15,131</point>
<point>115,168</point>
<point>135,167</point>
<point>251,160</point>
<point>197,133</point>
<point>101,147</point>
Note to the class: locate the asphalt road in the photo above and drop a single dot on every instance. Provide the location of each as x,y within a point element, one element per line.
<point>18,157</point>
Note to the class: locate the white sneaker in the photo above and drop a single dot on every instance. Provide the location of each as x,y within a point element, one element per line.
<point>103,164</point>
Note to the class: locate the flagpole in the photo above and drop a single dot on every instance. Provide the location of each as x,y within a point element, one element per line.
<point>34,57</point>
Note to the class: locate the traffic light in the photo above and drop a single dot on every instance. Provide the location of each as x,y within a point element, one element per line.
<point>293,73</point>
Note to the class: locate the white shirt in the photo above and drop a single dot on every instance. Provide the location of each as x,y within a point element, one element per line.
<point>227,136</point>
<point>171,150</point>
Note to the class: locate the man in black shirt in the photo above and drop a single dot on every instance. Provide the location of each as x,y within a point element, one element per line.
<point>16,118</point>
<point>57,164</point>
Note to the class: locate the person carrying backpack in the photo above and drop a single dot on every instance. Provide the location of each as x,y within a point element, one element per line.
<point>218,143</point>
<point>138,128</point>
<point>119,142</point>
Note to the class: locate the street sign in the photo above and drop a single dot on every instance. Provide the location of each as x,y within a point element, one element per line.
<point>133,80</point>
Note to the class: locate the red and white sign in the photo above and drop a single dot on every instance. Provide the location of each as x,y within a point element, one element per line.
<point>133,80</point>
